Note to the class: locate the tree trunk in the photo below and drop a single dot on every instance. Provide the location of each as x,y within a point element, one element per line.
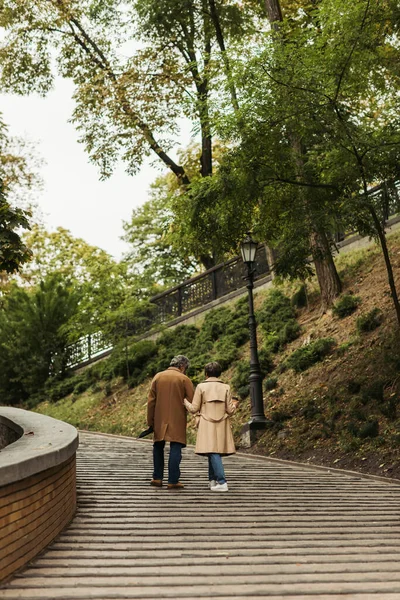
<point>272,255</point>
<point>274,12</point>
<point>327,275</point>
<point>221,43</point>
<point>382,239</point>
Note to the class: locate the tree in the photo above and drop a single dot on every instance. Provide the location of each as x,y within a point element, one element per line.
<point>156,256</point>
<point>328,278</point>
<point>32,337</point>
<point>326,128</point>
<point>17,173</point>
<point>103,283</point>
<point>13,251</point>
<point>128,107</point>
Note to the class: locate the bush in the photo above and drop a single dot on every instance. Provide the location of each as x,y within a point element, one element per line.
<point>243,391</point>
<point>303,358</point>
<point>241,375</point>
<point>277,318</point>
<point>370,429</point>
<point>299,298</point>
<point>81,387</point>
<point>55,390</point>
<point>369,321</point>
<point>226,352</point>
<point>266,363</point>
<point>375,391</point>
<point>134,361</point>
<point>345,306</point>
<point>270,383</point>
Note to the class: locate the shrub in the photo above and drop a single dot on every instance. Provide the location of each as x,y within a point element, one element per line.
<point>279,416</point>
<point>369,321</point>
<point>277,318</point>
<point>270,383</point>
<point>353,386</point>
<point>370,429</point>
<point>241,375</point>
<point>136,360</point>
<point>345,306</point>
<point>243,391</point>
<point>266,363</point>
<point>55,390</point>
<point>299,298</point>
<point>303,358</point>
<point>81,387</point>
<point>226,352</point>
<point>375,391</point>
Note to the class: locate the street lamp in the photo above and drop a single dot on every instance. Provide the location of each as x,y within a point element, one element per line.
<point>258,421</point>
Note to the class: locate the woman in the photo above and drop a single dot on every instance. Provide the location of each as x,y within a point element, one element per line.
<point>213,401</point>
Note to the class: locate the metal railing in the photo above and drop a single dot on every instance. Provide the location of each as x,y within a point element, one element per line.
<point>174,302</point>
<point>211,285</point>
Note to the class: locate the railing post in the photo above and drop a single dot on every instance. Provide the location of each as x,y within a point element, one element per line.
<point>179,301</point>
<point>214,285</point>
<point>89,346</point>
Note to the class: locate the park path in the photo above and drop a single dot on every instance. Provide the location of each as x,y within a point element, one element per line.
<point>282,532</point>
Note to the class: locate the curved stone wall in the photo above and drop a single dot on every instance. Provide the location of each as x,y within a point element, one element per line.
<point>37,484</point>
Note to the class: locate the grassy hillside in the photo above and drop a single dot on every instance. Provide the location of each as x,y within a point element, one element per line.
<point>332,380</point>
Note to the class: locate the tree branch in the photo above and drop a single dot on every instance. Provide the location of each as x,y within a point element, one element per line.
<point>348,59</point>
<point>97,56</point>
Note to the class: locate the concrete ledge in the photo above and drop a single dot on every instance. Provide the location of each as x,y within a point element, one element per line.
<point>9,432</point>
<point>44,443</point>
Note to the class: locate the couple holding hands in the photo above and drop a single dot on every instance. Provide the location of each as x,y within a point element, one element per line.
<point>171,395</point>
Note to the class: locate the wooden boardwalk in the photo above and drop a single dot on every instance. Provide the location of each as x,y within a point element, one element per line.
<point>281,532</point>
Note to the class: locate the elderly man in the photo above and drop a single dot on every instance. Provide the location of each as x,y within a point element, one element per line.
<point>166,413</point>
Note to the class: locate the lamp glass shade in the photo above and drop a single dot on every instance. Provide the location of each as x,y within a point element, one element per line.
<point>248,249</point>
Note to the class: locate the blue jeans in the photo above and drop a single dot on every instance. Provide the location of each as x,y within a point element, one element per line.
<point>216,468</point>
<point>175,457</point>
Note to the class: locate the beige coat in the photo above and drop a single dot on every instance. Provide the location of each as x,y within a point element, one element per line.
<point>213,401</point>
<point>165,410</point>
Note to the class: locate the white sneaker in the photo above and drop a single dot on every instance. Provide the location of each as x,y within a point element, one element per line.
<point>212,483</point>
<point>220,487</point>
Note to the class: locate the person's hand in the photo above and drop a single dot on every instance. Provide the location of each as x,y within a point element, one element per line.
<point>235,402</point>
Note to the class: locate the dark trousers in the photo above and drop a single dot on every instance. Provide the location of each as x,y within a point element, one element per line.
<point>175,457</point>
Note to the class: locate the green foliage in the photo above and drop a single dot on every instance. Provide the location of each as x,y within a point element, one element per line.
<point>157,253</point>
<point>306,356</point>
<point>131,363</point>
<point>374,391</point>
<point>369,321</point>
<point>13,251</point>
<point>277,318</point>
<point>240,379</point>
<point>270,383</point>
<point>32,336</point>
<point>366,430</point>
<point>345,306</point>
<point>299,298</point>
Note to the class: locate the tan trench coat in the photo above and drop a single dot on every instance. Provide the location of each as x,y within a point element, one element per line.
<point>165,409</point>
<point>214,402</point>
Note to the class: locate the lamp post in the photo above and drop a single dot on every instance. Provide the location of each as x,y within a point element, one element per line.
<point>258,420</point>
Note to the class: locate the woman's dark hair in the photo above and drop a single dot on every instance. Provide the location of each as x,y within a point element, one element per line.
<point>213,369</point>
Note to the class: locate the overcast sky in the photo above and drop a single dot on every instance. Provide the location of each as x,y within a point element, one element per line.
<point>73,196</point>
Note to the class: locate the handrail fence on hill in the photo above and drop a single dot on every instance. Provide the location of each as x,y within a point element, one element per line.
<point>210,285</point>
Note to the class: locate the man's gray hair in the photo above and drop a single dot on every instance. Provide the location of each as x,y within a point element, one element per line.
<point>180,361</point>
